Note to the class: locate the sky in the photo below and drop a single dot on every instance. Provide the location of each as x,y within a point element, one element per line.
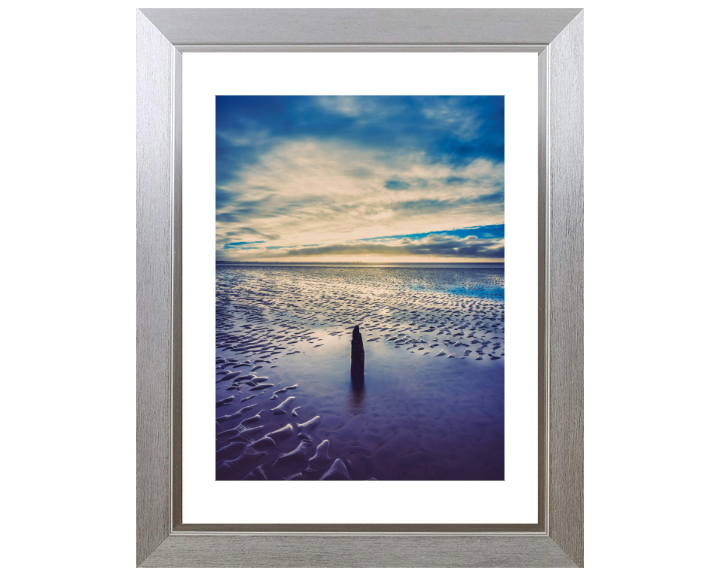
<point>360,178</point>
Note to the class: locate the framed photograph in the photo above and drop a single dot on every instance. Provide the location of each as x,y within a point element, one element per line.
<point>359,288</point>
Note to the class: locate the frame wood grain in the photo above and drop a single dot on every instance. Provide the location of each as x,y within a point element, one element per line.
<point>163,540</point>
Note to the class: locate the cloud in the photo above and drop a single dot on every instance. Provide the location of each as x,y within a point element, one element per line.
<point>343,105</point>
<point>317,199</point>
<point>479,243</point>
<point>336,171</point>
<point>432,245</point>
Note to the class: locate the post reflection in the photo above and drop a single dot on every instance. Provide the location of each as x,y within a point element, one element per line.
<point>357,390</point>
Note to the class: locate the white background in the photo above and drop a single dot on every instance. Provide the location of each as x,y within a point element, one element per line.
<point>68,179</point>
<point>513,501</point>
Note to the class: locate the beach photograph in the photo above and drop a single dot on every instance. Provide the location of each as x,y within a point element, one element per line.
<point>360,288</point>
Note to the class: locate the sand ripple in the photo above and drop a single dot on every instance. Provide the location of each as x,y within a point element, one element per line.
<point>432,402</point>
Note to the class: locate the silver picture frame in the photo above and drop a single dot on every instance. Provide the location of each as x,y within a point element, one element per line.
<point>163,540</point>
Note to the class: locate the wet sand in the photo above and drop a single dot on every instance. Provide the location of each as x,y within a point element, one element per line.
<point>430,405</point>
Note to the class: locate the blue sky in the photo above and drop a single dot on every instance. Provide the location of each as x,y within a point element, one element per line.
<point>360,178</point>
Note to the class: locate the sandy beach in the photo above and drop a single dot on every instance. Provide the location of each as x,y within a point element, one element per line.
<point>430,405</point>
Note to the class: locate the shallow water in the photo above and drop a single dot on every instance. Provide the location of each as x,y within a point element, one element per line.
<point>430,407</point>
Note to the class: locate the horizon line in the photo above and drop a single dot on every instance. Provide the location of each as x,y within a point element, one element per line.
<point>344,262</point>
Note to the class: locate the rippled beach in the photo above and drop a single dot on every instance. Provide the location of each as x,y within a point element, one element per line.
<point>430,405</point>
